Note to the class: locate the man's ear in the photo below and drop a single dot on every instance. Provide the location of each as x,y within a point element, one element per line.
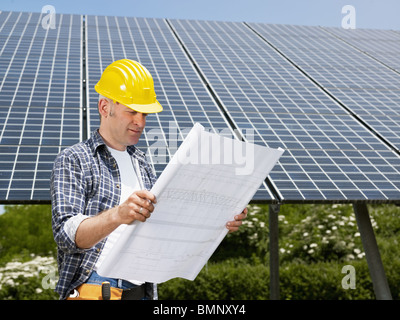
<point>104,108</point>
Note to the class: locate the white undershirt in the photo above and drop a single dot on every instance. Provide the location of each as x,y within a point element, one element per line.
<point>129,184</point>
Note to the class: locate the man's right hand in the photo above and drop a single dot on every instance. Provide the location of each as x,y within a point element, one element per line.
<point>94,229</point>
<point>138,206</point>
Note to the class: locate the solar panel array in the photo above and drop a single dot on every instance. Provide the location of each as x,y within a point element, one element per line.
<point>328,96</point>
<point>330,155</point>
<point>40,98</point>
<point>367,84</point>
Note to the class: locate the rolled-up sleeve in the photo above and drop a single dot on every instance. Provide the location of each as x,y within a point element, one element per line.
<point>68,194</point>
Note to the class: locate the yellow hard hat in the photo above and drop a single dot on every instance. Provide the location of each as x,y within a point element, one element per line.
<point>131,84</point>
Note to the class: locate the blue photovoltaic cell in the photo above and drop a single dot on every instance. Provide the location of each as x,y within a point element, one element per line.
<point>40,100</point>
<point>329,155</point>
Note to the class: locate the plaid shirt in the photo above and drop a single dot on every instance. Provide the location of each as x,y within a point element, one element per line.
<point>85,181</point>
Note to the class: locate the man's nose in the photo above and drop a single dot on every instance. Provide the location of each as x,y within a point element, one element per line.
<point>140,119</point>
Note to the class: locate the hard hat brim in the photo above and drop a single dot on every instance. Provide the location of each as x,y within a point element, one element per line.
<point>155,107</point>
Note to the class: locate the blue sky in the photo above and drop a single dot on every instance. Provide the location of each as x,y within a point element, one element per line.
<point>377,14</point>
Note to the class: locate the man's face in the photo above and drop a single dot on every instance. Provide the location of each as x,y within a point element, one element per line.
<point>121,126</point>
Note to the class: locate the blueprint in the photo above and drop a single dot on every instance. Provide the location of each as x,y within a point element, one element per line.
<point>209,180</point>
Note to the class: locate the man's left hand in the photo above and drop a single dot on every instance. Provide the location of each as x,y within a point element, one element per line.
<point>234,225</point>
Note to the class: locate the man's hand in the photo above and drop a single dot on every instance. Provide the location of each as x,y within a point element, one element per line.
<point>138,206</point>
<point>234,225</point>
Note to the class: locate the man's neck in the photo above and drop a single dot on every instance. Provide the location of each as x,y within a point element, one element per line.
<point>110,143</point>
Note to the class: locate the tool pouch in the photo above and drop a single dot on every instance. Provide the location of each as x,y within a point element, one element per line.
<point>93,292</point>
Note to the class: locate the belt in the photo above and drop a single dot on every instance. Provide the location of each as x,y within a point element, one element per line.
<point>136,293</point>
<point>94,292</point>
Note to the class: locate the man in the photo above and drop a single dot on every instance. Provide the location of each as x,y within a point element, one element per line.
<point>102,184</point>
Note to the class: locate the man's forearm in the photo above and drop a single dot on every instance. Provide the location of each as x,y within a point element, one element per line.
<point>138,206</point>
<point>95,229</point>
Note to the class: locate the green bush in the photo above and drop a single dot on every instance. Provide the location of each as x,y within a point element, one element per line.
<point>27,229</point>
<point>29,280</point>
<point>325,233</point>
<point>323,281</point>
<point>311,259</point>
<point>228,280</point>
<point>238,279</point>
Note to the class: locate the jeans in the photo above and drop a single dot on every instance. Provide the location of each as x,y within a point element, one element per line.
<point>95,278</point>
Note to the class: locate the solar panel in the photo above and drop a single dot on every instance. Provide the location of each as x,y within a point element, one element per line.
<point>40,100</point>
<point>330,156</point>
<point>366,84</point>
<point>383,45</point>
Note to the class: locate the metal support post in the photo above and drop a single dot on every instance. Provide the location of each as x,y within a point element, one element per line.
<point>379,281</point>
<point>274,251</point>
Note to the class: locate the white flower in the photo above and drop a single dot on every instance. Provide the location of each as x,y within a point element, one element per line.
<point>253,236</point>
<point>342,243</point>
<point>357,234</point>
<point>248,223</point>
<point>10,282</point>
<point>305,234</point>
<point>313,245</point>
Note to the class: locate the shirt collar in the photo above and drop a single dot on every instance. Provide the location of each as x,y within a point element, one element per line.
<point>96,143</point>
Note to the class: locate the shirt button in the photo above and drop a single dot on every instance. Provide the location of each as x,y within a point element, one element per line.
<point>117,186</point>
